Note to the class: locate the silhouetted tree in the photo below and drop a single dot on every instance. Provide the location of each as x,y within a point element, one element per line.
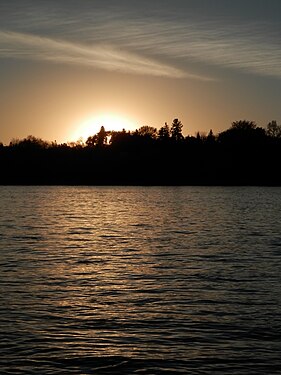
<point>244,133</point>
<point>242,154</point>
<point>78,144</point>
<point>30,142</point>
<point>147,131</point>
<point>101,137</point>
<point>244,125</point>
<point>120,139</point>
<point>176,130</point>
<point>164,132</point>
<point>210,135</point>
<point>210,139</point>
<point>92,141</point>
<point>200,137</point>
<point>273,129</point>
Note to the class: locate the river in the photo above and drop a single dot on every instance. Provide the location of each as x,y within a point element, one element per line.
<point>140,280</point>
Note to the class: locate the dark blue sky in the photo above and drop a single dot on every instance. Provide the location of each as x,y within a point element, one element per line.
<point>207,62</point>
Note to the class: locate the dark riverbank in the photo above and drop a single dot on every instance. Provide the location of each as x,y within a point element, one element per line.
<point>111,167</point>
<point>242,155</point>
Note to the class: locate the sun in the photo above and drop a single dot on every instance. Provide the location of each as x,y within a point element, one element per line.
<point>109,121</point>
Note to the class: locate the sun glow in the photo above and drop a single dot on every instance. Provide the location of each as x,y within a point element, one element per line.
<point>109,121</point>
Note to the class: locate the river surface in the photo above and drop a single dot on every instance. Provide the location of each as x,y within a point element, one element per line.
<point>140,280</point>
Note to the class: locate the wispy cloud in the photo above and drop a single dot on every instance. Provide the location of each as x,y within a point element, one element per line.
<point>167,41</point>
<point>102,56</point>
<point>254,48</point>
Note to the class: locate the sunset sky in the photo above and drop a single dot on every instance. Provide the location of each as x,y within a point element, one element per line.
<point>69,66</point>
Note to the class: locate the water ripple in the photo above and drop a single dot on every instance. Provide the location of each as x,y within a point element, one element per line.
<point>111,280</point>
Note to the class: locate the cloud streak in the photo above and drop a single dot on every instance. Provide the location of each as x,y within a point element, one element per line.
<point>253,48</point>
<point>102,56</point>
<point>162,42</point>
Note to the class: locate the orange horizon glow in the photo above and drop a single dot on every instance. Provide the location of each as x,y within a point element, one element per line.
<point>109,120</point>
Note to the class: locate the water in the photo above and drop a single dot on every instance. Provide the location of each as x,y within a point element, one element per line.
<point>116,280</point>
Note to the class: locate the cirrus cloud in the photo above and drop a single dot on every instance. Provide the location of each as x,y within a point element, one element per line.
<point>102,56</point>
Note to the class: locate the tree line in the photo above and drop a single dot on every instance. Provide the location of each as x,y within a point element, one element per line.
<point>243,154</point>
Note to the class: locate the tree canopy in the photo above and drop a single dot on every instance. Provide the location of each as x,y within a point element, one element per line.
<point>242,154</point>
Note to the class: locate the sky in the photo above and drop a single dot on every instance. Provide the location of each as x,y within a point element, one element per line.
<point>68,67</point>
